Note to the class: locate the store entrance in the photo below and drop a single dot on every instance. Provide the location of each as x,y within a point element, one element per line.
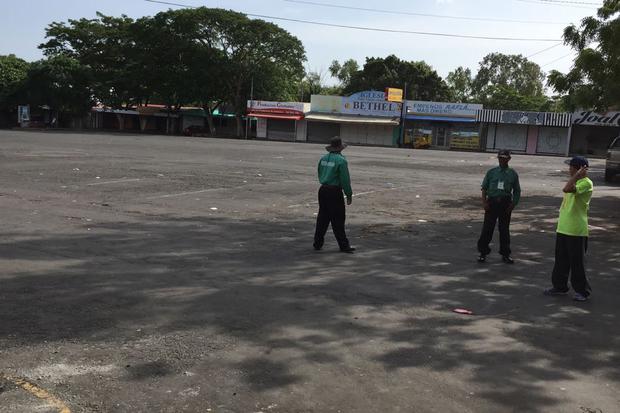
<point>439,137</point>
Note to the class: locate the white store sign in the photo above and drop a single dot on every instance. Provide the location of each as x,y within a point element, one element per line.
<point>276,107</point>
<point>465,110</point>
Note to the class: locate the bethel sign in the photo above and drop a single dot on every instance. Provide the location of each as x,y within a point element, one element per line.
<point>370,103</point>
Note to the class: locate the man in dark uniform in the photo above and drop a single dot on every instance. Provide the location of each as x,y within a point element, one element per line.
<point>500,194</point>
<point>334,177</point>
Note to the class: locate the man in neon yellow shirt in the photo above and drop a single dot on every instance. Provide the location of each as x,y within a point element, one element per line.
<point>334,177</point>
<point>572,233</point>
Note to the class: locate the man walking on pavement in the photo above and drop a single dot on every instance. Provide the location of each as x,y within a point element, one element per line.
<point>334,178</point>
<point>500,194</point>
<point>571,240</point>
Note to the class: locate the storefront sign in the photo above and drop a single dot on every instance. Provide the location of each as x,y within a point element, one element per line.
<point>371,103</point>
<point>23,113</point>
<point>282,108</point>
<point>593,118</point>
<point>463,110</point>
<point>393,94</point>
<point>523,118</point>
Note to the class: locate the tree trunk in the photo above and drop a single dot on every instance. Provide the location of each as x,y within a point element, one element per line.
<point>239,120</point>
<point>210,122</point>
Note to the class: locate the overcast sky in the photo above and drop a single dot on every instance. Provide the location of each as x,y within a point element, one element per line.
<point>22,27</point>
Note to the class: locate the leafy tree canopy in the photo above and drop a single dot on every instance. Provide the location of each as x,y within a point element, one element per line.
<point>594,80</point>
<point>378,73</point>
<point>508,71</point>
<point>13,72</point>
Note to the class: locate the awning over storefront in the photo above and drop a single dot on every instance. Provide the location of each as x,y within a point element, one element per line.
<point>325,117</point>
<point>441,118</point>
<point>275,116</point>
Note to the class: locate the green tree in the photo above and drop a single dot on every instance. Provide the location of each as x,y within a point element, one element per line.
<point>378,73</point>
<point>594,79</point>
<point>507,97</point>
<point>13,72</point>
<point>344,72</point>
<point>61,84</point>
<point>312,84</point>
<point>107,46</point>
<point>460,83</point>
<point>249,52</point>
<point>515,71</point>
<point>242,53</point>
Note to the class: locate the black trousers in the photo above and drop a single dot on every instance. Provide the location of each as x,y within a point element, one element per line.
<point>331,210</point>
<point>498,212</point>
<point>570,253</point>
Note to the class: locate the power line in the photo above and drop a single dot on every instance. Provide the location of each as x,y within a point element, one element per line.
<point>547,3</point>
<point>570,2</point>
<point>442,16</point>
<point>377,29</point>
<point>544,50</point>
<point>556,60</point>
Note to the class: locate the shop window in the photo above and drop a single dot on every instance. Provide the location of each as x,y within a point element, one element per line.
<point>465,137</point>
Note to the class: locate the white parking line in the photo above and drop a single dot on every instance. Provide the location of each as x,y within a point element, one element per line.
<point>187,193</point>
<point>115,182</point>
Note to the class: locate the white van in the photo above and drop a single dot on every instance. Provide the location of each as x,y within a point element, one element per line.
<point>612,166</point>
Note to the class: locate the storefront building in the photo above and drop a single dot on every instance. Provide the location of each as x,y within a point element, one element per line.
<point>442,125</point>
<point>545,133</point>
<point>281,121</point>
<point>592,133</point>
<point>146,119</point>
<point>364,118</point>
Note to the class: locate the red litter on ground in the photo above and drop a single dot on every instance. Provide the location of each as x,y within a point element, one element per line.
<point>463,311</point>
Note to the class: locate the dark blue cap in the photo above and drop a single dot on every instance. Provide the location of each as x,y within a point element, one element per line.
<point>503,153</point>
<point>578,162</point>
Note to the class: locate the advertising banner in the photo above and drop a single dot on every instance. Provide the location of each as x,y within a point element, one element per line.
<point>595,119</point>
<point>439,109</point>
<point>23,113</point>
<point>370,103</point>
<point>523,118</point>
<point>283,108</point>
<point>393,94</point>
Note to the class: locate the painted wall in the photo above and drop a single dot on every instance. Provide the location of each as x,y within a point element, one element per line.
<point>552,140</point>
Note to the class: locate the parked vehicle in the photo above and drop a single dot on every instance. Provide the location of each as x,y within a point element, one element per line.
<point>612,165</point>
<point>196,130</point>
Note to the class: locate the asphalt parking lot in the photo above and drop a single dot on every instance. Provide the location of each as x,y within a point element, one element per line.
<point>173,274</point>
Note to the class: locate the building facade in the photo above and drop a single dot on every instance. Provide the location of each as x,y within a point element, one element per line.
<point>442,125</point>
<point>364,118</point>
<point>592,133</point>
<point>545,133</point>
<point>281,121</point>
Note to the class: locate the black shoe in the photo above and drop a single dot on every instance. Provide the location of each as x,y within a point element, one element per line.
<point>316,248</point>
<point>482,258</point>
<point>348,250</point>
<point>555,291</point>
<point>508,259</point>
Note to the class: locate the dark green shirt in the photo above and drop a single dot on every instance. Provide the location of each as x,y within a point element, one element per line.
<point>502,182</point>
<point>333,170</point>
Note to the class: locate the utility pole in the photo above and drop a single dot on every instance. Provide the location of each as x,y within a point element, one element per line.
<point>247,119</point>
<point>403,115</point>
